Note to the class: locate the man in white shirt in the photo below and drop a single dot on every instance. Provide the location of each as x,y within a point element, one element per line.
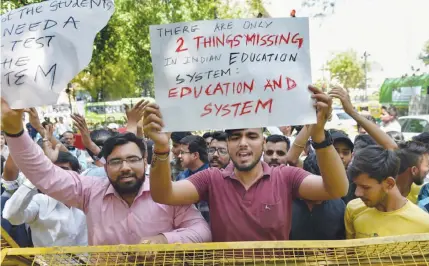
<point>52,223</point>
<point>390,120</point>
<point>68,139</point>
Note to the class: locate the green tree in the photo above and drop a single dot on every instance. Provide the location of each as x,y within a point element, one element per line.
<point>424,56</point>
<point>121,61</point>
<point>348,69</point>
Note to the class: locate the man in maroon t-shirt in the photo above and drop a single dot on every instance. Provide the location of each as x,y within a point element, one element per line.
<point>249,201</point>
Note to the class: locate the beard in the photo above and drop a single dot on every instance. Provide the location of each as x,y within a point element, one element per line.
<point>248,167</point>
<point>419,179</point>
<point>128,187</point>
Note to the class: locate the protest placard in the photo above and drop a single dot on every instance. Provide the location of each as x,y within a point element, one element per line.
<point>232,73</point>
<point>45,45</point>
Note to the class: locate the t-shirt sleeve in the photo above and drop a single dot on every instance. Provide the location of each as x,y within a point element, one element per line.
<point>202,183</point>
<point>293,176</point>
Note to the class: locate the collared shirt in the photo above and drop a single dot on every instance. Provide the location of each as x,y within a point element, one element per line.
<point>325,221</point>
<point>109,218</point>
<point>202,206</point>
<point>52,223</point>
<point>81,157</point>
<point>263,212</point>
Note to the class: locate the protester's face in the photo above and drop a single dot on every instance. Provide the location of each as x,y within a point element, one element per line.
<point>218,154</point>
<point>344,151</point>
<point>176,149</point>
<point>421,171</point>
<point>68,139</point>
<point>186,157</point>
<point>275,153</point>
<point>65,166</point>
<point>245,148</point>
<point>208,141</point>
<point>126,177</point>
<point>370,191</point>
<point>2,141</point>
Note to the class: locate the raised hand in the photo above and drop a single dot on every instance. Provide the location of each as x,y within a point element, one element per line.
<point>11,120</point>
<point>51,153</point>
<point>323,107</point>
<point>152,127</point>
<point>343,96</point>
<point>135,114</point>
<point>34,120</point>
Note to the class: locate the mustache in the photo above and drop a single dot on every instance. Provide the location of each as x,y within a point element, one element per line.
<point>122,176</point>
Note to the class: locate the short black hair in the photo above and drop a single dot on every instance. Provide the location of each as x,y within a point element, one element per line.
<point>411,153</point>
<point>392,111</point>
<point>121,139</point>
<point>99,136</point>
<point>375,161</point>
<point>363,141</point>
<point>178,136</point>
<point>67,157</point>
<point>310,164</point>
<point>370,118</point>
<point>278,138</point>
<point>219,136</point>
<point>68,131</point>
<point>396,136</point>
<point>423,137</point>
<point>207,135</point>
<point>196,144</point>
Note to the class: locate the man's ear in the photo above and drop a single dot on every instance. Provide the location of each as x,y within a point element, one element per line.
<point>389,183</point>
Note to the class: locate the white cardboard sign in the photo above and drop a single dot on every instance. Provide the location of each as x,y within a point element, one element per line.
<point>233,73</point>
<point>45,45</point>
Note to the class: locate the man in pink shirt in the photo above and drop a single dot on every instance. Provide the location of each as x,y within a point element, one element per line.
<point>119,210</point>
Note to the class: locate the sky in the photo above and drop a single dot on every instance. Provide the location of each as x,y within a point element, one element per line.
<point>393,32</point>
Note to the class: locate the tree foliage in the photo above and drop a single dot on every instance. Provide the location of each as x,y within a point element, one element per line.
<point>121,62</point>
<point>424,56</point>
<point>347,69</point>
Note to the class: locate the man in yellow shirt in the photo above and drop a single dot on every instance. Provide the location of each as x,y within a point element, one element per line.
<point>380,209</point>
<point>414,167</point>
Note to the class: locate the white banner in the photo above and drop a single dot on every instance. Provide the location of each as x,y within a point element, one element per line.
<point>233,73</point>
<point>45,45</point>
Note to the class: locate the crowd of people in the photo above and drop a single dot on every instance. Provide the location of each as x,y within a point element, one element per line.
<point>149,186</point>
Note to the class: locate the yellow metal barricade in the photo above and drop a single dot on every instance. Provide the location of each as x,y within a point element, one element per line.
<point>8,242</point>
<point>398,250</point>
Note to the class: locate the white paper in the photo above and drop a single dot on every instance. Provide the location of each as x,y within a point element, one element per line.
<point>181,83</point>
<point>45,45</point>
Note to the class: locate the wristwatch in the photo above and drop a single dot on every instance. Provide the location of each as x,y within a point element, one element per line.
<point>327,142</point>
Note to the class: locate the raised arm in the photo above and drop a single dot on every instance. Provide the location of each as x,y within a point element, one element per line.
<point>371,128</point>
<point>80,122</point>
<point>333,183</point>
<point>163,190</point>
<point>62,185</point>
<point>21,208</point>
<point>298,146</point>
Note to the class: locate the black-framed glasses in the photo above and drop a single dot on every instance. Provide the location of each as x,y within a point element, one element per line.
<point>184,152</point>
<point>131,161</point>
<point>221,151</point>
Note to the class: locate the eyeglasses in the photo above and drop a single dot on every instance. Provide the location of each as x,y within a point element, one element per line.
<point>131,161</point>
<point>184,152</point>
<point>221,151</point>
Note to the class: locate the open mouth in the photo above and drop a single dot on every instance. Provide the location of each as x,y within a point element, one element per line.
<point>127,179</point>
<point>244,155</point>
